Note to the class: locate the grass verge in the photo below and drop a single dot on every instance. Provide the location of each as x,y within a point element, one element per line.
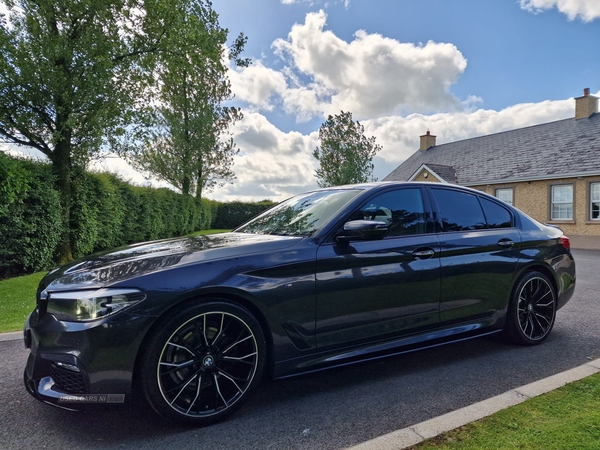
<point>17,300</point>
<point>565,419</point>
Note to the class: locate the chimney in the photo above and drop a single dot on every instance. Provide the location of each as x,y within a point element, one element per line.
<point>585,106</point>
<point>427,140</point>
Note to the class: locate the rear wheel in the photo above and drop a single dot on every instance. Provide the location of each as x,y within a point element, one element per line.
<point>203,363</point>
<point>532,310</point>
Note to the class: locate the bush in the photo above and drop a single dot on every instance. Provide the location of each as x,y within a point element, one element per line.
<point>106,212</point>
<point>32,227</point>
<point>233,214</point>
<point>14,182</point>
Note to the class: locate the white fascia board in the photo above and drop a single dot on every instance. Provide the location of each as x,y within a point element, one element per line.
<point>425,167</point>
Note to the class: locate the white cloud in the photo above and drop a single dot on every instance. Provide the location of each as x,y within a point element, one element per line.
<point>276,165</point>
<point>257,85</point>
<point>271,164</point>
<point>587,10</point>
<point>371,76</point>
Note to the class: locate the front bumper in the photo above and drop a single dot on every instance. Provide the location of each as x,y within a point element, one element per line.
<point>71,364</point>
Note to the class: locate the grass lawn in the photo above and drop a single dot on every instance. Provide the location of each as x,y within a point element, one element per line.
<point>17,300</point>
<point>565,419</point>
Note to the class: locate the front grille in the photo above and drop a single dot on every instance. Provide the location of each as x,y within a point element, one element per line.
<point>68,381</point>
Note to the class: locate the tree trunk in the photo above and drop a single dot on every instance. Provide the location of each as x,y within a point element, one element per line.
<point>62,169</point>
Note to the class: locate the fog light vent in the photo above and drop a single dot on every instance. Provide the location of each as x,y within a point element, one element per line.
<point>67,380</point>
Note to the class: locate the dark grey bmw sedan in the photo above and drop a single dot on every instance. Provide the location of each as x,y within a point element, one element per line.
<point>326,278</point>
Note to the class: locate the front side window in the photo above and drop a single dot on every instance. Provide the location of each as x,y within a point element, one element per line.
<point>505,194</point>
<point>562,202</point>
<point>402,210</point>
<point>595,201</point>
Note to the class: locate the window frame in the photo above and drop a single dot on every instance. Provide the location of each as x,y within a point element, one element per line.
<point>512,194</point>
<point>429,224</point>
<point>478,197</point>
<point>590,203</point>
<point>551,203</point>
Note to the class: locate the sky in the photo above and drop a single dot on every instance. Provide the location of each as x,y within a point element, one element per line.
<point>458,68</point>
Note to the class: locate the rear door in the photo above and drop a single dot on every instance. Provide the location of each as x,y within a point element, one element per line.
<point>478,255</point>
<point>379,289</point>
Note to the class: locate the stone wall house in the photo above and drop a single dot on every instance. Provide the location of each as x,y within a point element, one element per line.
<point>550,171</point>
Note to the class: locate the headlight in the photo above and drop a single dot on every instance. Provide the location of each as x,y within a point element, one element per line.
<point>77,306</point>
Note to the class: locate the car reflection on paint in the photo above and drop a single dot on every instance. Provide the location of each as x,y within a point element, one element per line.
<point>326,278</point>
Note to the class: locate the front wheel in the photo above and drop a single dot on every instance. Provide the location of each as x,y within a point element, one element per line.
<point>532,310</point>
<point>203,363</point>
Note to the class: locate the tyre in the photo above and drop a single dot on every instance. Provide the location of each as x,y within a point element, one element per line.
<point>203,363</point>
<point>531,310</point>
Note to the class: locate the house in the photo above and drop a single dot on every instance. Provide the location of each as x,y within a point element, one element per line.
<point>550,171</point>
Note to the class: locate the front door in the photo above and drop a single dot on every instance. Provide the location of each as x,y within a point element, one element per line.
<point>380,288</point>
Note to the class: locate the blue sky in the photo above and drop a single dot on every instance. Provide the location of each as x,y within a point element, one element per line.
<point>460,68</point>
<point>513,55</point>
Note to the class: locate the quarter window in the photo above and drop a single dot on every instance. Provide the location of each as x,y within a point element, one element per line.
<point>562,202</point>
<point>505,194</point>
<point>595,201</point>
<point>496,215</point>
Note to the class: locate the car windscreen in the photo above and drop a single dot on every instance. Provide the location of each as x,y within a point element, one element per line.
<point>302,215</point>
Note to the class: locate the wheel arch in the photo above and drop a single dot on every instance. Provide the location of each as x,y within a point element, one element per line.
<point>208,295</point>
<point>535,268</point>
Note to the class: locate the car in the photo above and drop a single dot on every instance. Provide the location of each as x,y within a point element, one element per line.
<point>327,278</point>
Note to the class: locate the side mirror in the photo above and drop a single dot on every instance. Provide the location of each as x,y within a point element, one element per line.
<point>363,230</point>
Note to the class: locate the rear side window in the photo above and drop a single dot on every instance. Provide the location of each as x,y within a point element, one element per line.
<point>459,211</point>
<point>496,215</point>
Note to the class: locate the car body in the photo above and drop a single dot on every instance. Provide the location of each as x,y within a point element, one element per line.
<point>326,278</point>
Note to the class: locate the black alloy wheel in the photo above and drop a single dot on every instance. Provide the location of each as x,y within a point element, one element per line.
<point>532,310</point>
<point>204,363</point>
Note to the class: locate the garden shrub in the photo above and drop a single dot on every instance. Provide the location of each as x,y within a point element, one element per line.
<point>232,214</point>
<point>106,212</point>
<point>31,228</point>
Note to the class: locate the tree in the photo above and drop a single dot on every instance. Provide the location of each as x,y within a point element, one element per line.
<point>190,146</point>
<point>346,154</point>
<point>75,76</point>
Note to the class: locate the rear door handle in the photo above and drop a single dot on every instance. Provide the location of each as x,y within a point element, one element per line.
<point>423,253</point>
<point>505,243</point>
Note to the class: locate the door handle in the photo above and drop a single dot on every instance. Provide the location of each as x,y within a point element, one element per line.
<point>505,243</point>
<point>423,253</point>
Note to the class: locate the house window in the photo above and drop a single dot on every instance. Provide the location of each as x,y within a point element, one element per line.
<point>595,201</point>
<point>562,202</point>
<point>505,194</point>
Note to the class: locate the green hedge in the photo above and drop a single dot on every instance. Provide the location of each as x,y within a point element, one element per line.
<point>106,212</point>
<point>30,221</point>
<point>232,214</point>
